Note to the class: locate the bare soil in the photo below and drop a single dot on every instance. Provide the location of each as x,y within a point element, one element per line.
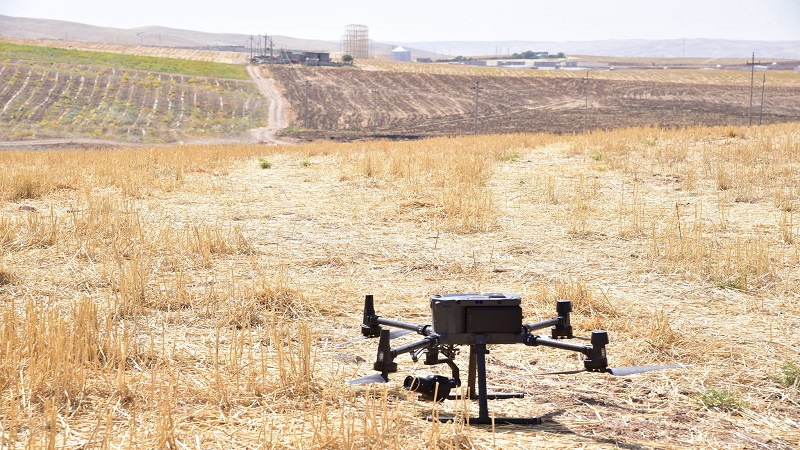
<point>350,104</point>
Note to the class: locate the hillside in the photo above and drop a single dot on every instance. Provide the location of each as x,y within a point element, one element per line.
<point>152,35</point>
<point>411,100</point>
<point>58,93</point>
<point>156,36</point>
<point>119,92</point>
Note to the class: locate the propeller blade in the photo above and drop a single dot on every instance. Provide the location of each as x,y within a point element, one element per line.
<point>392,335</point>
<point>623,371</point>
<point>374,378</point>
<point>563,372</point>
<point>616,371</point>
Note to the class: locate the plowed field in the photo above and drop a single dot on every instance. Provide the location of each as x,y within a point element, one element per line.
<point>355,102</point>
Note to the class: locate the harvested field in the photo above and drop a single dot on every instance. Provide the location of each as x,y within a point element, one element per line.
<point>408,100</point>
<point>179,297</point>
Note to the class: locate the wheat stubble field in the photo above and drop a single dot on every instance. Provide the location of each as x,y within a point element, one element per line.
<point>191,296</point>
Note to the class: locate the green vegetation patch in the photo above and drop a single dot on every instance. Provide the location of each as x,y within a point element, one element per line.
<point>789,376</point>
<point>723,400</point>
<point>121,61</point>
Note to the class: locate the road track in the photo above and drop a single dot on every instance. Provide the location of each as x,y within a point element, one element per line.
<point>277,109</point>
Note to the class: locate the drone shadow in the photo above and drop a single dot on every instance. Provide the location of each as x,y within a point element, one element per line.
<point>551,425</point>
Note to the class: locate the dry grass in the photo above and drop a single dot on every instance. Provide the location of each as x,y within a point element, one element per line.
<point>184,297</point>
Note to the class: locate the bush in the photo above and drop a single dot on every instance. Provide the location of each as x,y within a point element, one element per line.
<point>789,376</point>
<point>722,400</point>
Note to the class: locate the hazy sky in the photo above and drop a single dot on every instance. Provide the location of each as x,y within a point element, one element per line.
<point>439,20</point>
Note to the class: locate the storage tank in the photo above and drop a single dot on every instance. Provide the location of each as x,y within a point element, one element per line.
<point>401,54</point>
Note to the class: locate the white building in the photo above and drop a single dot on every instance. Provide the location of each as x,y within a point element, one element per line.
<point>401,54</point>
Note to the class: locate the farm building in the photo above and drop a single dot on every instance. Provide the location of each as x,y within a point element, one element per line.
<point>510,63</point>
<point>475,62</point>
<point>288,56</point>
<point>783,65</point>
<point>593,64</point>
<point>317,58</point>
<point>401,54</point>
<point>546,64</point>
<point>424,60</point>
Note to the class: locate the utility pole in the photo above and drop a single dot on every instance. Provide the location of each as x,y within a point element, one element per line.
<point>761,113</point>
<point>375,114</point>
<point>251,46</point>
<point>477,89</point>
<point>271,43</point>
<point>752,77</point>
<point>305,109</point>
<point>586,93</point>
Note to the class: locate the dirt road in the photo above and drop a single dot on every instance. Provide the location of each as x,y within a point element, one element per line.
<point>277,110</point>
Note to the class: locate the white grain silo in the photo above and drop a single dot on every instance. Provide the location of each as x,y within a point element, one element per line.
<point>401,54</point>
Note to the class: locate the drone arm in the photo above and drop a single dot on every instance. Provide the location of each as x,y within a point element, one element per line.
<point>561,326</point>
<point>425,330</point>
<point>535,340</point>
<point>371,323</point>
<point>542,324</point>
<point>428,341</point>
<point>596,360</point>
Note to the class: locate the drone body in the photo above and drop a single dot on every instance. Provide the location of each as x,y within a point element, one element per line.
<point>476,320</point>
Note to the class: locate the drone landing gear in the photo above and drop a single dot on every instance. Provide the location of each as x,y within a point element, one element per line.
<point>477,366</point>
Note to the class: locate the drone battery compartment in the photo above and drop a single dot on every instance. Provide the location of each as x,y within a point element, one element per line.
<point>494,319</point>
<point>457,318</point>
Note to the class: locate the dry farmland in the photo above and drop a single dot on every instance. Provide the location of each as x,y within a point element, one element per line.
<point>411,99</point>
<point>191,297</point>
<point>52,100</point>
<point>54,93</point>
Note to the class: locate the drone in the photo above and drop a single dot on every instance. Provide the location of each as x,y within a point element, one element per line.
<point>476,320</point>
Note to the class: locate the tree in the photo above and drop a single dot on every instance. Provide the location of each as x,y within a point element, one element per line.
<point>347,59</point>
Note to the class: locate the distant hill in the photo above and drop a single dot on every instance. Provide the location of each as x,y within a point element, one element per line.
<point>159,36</point>
<point>19,27</point>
